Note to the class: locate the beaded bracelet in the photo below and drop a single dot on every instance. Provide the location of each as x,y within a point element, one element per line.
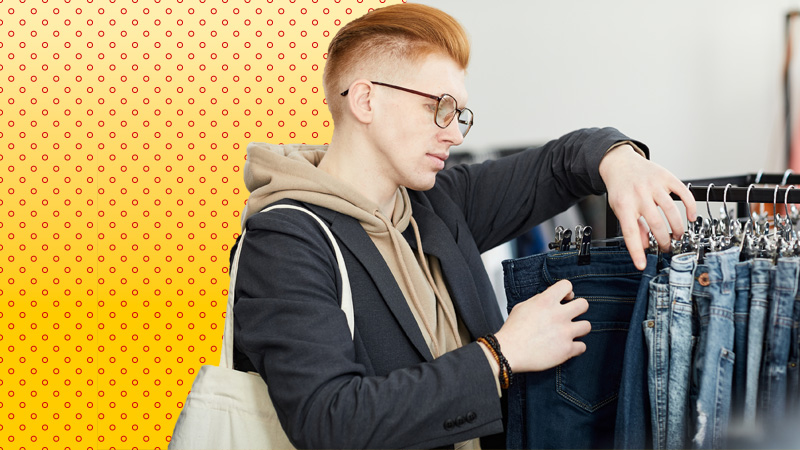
<point>505,368</point>
<point>503,361</point>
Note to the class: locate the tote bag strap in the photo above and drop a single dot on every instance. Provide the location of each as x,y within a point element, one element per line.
<point>226,356</point>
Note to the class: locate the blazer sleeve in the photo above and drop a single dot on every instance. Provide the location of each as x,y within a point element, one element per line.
<point>504,198</point>
<point>289,324</point>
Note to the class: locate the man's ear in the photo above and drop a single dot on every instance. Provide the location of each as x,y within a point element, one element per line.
<point>360,100</point>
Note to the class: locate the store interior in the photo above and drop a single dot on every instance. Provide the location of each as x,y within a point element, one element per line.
<point>702,84</point>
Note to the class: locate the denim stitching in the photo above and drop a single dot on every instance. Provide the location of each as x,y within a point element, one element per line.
<point>577,402</point>
<point>610,299</point>
<point>572,253</point>
<point>599,275</point>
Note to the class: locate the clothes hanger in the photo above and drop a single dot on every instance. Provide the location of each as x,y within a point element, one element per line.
<point>731,231</point>
<point>794,248</point>
<point>786,176</point>
<point>748,234</point>
<point>707,236</point>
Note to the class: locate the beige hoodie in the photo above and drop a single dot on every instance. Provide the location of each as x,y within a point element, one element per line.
<point>276,172</point>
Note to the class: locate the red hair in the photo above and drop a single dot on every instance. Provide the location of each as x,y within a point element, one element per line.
<point>387,38</point>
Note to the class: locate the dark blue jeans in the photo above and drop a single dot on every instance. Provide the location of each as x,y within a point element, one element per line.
<point>633,427</point>
<point>574,405</point>
<point>740,321</point>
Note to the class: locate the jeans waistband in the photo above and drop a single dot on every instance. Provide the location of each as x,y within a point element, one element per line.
<point>681,270</point>
<point>722,268</point>
<point>557,265</point>
<point>610,279</point>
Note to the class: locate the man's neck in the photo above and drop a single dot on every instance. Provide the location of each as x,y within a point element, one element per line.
<point>354,164</point>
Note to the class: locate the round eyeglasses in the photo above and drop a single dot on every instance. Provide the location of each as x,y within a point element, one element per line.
<point>446,109</point>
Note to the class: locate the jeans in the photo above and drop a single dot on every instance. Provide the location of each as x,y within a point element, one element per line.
<point>633,428</point>
<point>681,333</point>
<point>740,315</point>
<point>656,334</point>
<point>759,288</point>
<point>772,400</point>
<point>701,297</point>
<point>793,390</point>
<point>716,358</point>
<point>574,405</point>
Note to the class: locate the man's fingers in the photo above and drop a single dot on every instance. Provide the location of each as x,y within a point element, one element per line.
<point>633,240</point>
<point>577,307</point>
<point>673,215</point>
<point>657,225</point>
<point>561,290</point>
<point>578,348</point>
<point>582,328</point>
<point>686,197</point>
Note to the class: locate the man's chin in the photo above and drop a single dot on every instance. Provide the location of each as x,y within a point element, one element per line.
<point>422,186</point>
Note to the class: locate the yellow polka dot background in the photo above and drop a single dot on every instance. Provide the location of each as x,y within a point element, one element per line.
<point>123,128</point>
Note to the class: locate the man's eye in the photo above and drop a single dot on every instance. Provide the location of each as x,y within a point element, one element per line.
<point>431,107</point>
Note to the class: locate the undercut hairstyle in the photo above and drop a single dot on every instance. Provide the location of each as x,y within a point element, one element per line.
<point>388,40</point>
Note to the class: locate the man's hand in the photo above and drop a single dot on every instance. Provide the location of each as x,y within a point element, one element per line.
<point>540,333</point>
<point>637,188</point>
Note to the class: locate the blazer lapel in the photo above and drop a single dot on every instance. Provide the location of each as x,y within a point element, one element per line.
<point>439,241</point>
<point>350,233</point>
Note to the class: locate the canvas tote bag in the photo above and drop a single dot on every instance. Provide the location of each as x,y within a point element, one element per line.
<point>229,409</point>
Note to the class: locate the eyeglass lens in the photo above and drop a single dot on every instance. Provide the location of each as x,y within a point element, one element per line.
<point>446,112</point>
<point>465,121</point>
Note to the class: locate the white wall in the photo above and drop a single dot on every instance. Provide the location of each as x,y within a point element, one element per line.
<point>699,81</point>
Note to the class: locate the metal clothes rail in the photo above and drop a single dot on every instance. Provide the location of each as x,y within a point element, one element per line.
<point>744,188</point>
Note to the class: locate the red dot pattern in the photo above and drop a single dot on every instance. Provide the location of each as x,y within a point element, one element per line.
<point>123,127</point>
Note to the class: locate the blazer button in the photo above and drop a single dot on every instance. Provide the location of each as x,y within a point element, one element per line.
<point>471,416</point>
<point>460,421</point>
<point>448,424</point>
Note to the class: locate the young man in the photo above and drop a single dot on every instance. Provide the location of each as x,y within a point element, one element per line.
<point>412,233</point>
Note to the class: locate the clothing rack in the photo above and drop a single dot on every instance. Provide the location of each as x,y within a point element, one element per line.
<point>740,192</point>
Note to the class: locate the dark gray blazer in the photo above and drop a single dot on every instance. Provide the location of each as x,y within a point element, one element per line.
<point>383,389</point>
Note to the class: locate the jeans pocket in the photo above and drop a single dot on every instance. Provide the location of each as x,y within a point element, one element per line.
<point>591,380</point>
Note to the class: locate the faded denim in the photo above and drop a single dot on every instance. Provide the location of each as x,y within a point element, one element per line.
<point>772,402</point>
<point>656,334</point>
<point>701,297</point>
<point>682,335</point>
<point>574,405</point>
<point>633,428</point>
<point>757,320</point>
<point>716,358</point>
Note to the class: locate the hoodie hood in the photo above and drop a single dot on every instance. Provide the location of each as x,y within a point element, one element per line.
<point>276,172</point>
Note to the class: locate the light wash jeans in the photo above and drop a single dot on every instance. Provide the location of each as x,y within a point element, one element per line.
<point>793,389</point>
<point>757,320</point>
<point>716,361</point>
<point>772,402</point>
<point>656,334</point>
<point>682,333</point>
